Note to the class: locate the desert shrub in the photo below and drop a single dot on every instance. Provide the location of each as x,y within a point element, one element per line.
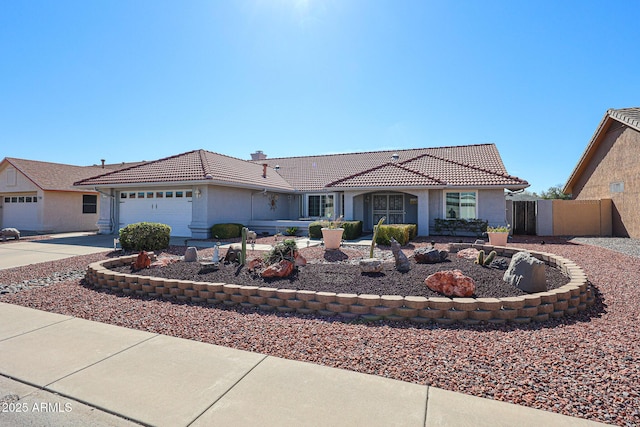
<point>401,232</point>
<point>291,231</point>
<point>285,249</point>
<point>145,236</point>
<point>352,229</point>
<point>226,230</point>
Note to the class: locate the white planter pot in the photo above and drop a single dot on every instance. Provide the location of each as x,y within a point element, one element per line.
<point>332,237</point>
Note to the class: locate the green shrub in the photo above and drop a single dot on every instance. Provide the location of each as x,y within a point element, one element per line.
<point>145,236</point>
<point>401,232</point>
<point>226,231</point>
<point>352,229</point>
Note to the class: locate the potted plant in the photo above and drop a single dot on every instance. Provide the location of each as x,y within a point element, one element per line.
<point>498,235</point>
<point>332,234</point>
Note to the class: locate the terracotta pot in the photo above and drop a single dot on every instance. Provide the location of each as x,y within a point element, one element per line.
<point>498,238</point>
<point>332,237</point>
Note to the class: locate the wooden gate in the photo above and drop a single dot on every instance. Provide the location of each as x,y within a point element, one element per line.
<point>524,217</point>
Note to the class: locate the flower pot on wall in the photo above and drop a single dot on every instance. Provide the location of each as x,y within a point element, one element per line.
<point>498,238</point>
<point>332,237</point>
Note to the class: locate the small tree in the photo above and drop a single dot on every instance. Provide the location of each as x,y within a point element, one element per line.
<point>555,192</point>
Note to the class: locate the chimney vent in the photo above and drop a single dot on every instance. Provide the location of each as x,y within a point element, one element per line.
<point>102,161</point>
<point>264,170</point>
<point>258,155</point>
<point>395,157</point>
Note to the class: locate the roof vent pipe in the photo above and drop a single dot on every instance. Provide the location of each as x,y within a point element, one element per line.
<point>264,170</point>
<point>395,157</point>
<point>102,161</point>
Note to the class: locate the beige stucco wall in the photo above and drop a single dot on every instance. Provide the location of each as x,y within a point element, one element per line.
<point>616,160</point>
<point>582,217</point>
<point>62,212</point>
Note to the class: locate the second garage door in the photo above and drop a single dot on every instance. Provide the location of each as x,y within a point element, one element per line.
<point>171,207</point>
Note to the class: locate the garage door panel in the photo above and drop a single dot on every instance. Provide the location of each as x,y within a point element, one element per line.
<point>20,211</point>
<point>171,207</point>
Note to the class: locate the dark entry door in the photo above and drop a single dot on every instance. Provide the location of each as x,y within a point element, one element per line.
<point>524,217</point>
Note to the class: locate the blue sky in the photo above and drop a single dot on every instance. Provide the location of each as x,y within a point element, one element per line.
<point>139,80</point>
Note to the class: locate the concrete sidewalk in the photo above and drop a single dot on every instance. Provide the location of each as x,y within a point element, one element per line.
<point>70,371</point>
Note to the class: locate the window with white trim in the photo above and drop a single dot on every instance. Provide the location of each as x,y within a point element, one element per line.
<point>461,205</point>
<point>320,205</point>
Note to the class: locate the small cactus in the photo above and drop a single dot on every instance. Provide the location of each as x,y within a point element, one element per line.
<point>375,234</point>
<point>489,258</point>
<point>243,259</point>
<point>483,260</point>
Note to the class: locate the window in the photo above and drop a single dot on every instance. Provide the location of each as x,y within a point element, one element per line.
<point>159,194</point>
<point>149,194</point>
<point>320,206</point>
<point>132,195</point>
<point>89,204</point>
<point>141,195</point>
<point>189,194</point>
<point>27,199</point>
<point>179,193</point>
<point>20,199</point>
<point>7,199</point>
<point>460,205</point>
<point>169,194</point>
<point>14,200</point>
<point>123,195</point>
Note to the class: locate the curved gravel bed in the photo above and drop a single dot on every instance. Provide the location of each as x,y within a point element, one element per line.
<point>586,366</point>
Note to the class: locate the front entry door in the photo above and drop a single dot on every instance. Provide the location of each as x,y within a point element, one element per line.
<point>390,206</point>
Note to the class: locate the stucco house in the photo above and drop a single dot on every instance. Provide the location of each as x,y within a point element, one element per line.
<point>40,196</point>
<point>610,169</point>
<point>192,191</point>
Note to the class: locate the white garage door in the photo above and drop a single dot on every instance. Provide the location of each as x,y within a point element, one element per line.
<point>20,211</point>
<point>171,207</point>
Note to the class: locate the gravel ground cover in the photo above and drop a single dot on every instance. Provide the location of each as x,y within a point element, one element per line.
<point>343,276</point>
<point>586,366</point>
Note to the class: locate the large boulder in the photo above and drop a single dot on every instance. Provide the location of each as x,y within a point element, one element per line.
<point>429,255</point>
<point>143,260</point>
<point>191,254</point>
<point>370,265</point>
<point>402,262</point>
<point>10,232</point>
<point>451,283</point>
<point>283,268</point>
<point>526,273</point>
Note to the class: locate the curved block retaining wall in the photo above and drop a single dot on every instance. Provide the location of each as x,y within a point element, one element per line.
<point>575,296</point>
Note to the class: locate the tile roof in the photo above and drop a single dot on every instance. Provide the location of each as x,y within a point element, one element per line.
<point>627,116</point>
<point>193,166</point>
<point>468,165</point>
<point>53,176</point>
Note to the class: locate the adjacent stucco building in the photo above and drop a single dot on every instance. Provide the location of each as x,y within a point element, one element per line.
<point>610,169</point>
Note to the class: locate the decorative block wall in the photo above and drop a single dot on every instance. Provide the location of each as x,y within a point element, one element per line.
<point>567,300</point>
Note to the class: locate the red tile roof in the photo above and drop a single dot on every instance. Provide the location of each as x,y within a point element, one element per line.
<point>468,165</point>
<point>193,166</point>
<point>53,176</point>
<point>471,165</point>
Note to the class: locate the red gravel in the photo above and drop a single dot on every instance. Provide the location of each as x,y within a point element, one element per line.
<point>587,366</point>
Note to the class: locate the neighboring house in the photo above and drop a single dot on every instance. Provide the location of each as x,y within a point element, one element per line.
<point>40,196</point>
<point>610,169</point>
<point>194,190</point>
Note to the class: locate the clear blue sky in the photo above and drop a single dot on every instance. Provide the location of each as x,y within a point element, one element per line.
<point>140,80</point>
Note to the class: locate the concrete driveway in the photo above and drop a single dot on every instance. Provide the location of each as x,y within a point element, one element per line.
<point>59,246</point>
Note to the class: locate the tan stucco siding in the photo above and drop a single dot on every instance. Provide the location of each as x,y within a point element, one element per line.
<point>616,160</point>
<point>63,212</point>
<point>13,181</point>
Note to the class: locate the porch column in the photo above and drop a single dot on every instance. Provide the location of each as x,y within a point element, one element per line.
<point>348,205</point>
<point>423,212</point>
<point>105,217</point>
<point>199,213</point>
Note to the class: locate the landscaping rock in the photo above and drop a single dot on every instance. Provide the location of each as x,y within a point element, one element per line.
<point>191,254</point>
<point>402,262</point>
<point>283,268</point>
<point>526,273</point>
<point>469,253</point>
<point>233,254</point>
<point>451,283</point>
<point>10,232</point>
<point>255,264</point>
<point>299,259</point>
<point>429,255</point>
<point>370,265</point>
<point>142,261</point>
